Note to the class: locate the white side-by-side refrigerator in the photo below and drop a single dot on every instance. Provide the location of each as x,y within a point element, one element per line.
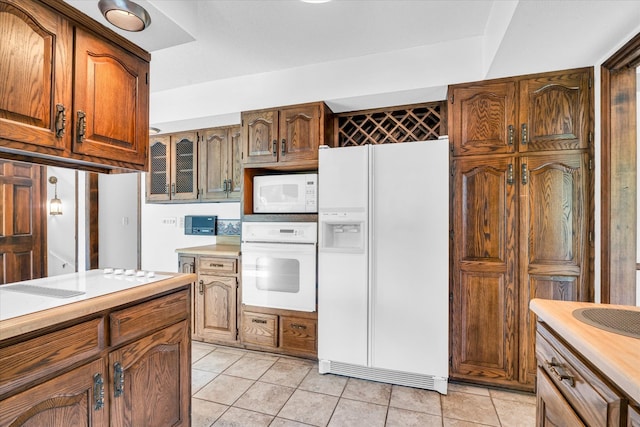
<point>383,263</point>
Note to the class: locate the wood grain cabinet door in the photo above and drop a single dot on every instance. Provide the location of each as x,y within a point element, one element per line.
<point>299,133</point>
<point>159,176</point>
<point>111,101</point>
<point>482,118</point>
<point>554,111</point>
<point>260,134</point>
<point>77,398</point>
<point>184,163</point>
<point>212,164</point>
<point>484,296</point>
<point>36,47</point>
<point>215,307</point>
<point>150,383</point>
<point>554,219</point>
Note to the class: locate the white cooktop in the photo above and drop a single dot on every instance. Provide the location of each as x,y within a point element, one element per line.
<point>41,294</point>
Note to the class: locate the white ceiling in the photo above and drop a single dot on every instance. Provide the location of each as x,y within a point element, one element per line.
<point>225,56</point>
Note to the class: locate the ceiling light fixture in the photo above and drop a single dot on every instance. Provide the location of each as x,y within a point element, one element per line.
<point>125,14</point>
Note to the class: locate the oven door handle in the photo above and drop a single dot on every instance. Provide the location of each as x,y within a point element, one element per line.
<point>272,248</point>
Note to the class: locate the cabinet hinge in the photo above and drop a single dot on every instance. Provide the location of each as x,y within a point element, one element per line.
<point>591,237</point>
<point>146,78</point>
<point>590,164</point>
<point>590,137</point>
<point>590,82</point>
<point>450,360</point>
<point>450,296</point>
<point>451,98</point>
<point>451,170</point>
<point>451,234</point>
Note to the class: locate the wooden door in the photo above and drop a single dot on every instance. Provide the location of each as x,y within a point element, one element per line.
<point>299,131</point>
<point>554,220</point>
<point>159,175</point>
<point>112,93</point>
<point>36,47</point>
<point>212,164</point>
<point>484,294</point>
<point>151,380</point>
<point>23,222</point>
<point>482,118</point>
<point>260,135</point>
<point>216,307</point>
<point>555,111</point>
<point>184,177</point>
<point>234,163</point>
<point>552,408</point>
<point>77,398</point>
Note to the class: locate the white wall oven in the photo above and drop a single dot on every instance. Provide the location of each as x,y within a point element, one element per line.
<point>279,265</point>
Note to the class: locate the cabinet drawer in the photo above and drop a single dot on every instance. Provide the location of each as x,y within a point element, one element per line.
<point>587,392</point>
<point>218,265</point>
<point>35,358</point>
<point>260,329</point>
<point>298,334</point>
<point>137,321</point>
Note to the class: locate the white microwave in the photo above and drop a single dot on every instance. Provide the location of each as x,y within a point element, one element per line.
<point>291,193</point>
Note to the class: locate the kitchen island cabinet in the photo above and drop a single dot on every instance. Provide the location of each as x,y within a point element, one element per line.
<point>117,355</point>
<point>586,375</point>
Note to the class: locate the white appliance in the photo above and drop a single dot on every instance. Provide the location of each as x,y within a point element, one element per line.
<point>296,193</point>
<point>279,265</point>
<point>383,263</point>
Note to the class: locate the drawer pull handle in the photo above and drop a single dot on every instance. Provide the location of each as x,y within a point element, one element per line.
<point>510,137</point>
<point>216,265</point>
<point>557,370</point>
<point>298,326</point>
<point>82,126</point>
<point>61,120</point>
<point>262,321</point>
<point>118,380</point>
<point>98,392</point>
<point>201,287</point>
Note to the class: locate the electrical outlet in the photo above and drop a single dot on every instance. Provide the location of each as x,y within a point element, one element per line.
<point>169,221</point>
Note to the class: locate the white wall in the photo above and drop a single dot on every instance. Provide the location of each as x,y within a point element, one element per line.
<point>118,220</point>
<point>159,241</point>
<point>61,229</point>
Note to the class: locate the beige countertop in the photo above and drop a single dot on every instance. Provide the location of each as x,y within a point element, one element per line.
<point>219,249</point>
<point>616,356</point>
<point>27,312</point>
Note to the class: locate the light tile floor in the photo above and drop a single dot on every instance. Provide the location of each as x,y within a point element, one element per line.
<point>234,387</point>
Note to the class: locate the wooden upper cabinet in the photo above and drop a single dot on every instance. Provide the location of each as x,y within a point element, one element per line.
<point>73,92</point>
<point>184,163</point>
<point>36,46</point>
<point>544,112</point>
<point>111,101</point>
<point>159,175</point>
<point>288,136</point>
<point>482,118</point>
<point>220,164</point>
<point>554,111</point>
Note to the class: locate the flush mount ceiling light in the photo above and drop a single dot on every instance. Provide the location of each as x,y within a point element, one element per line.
<point>154,131</point>
<point>125,14</point>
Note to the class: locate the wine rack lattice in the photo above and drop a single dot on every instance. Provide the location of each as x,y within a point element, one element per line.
<point>417,122</point>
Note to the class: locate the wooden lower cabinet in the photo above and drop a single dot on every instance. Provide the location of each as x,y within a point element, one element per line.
<point>215,300</point>
<point>571,391</point>
<point>137,370</point>
<point>280,331</point>
<point>77,398</point>
<point>149,380</point>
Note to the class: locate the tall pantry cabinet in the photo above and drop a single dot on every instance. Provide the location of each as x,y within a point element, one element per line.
<point>522,192</point>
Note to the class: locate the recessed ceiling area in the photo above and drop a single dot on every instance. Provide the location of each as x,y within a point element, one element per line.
<point>212,59</point>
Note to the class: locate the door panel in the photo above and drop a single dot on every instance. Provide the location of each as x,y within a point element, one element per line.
<point>483,314</point>
<point>260,131</point>
<point>22,233</point>
<point>554,112</point>
<point>213,164</point>
<point>299,133</point>
<point>553,239</point>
